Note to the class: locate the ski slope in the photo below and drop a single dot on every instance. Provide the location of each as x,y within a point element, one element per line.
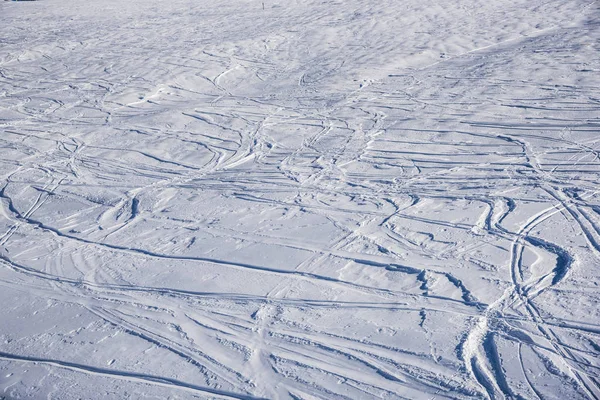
<point>395,199</point>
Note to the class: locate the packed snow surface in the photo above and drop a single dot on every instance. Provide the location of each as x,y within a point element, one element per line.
<point>300,199</point>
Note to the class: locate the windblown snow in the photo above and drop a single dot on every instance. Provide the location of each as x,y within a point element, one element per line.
<point>300,199</point>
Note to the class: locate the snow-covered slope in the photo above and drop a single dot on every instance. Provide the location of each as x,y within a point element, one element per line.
<point>299,199</point>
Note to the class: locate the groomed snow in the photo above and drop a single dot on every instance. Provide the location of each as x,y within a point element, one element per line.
<point>300,199</point>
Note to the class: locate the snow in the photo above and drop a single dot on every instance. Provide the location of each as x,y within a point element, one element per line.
<point>310,199</point>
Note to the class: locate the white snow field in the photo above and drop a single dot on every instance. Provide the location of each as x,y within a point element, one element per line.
<point>317,199</point>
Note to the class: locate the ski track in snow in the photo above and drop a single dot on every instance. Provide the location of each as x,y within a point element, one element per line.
<point>301,200</point>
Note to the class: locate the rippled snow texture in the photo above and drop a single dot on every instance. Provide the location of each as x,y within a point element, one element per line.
<point>318,199</point>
